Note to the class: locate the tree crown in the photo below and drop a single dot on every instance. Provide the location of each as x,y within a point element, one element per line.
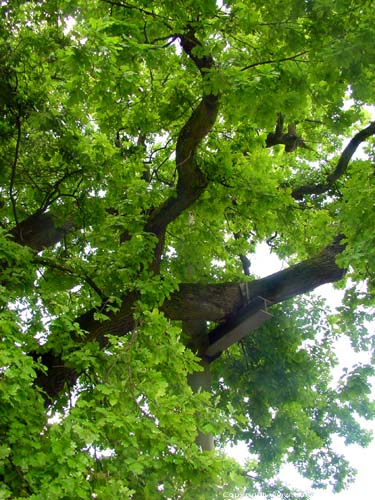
<point>147,150</point>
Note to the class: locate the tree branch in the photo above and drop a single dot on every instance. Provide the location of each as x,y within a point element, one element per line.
<point>55,193</point>
<point>243,258</point>
<point>289,139</point>
<point>127,5</point>
<point>191,181</point>
<point>341,167</point>
<point>39,231</point>
<point>273,61</point>
<point>217,302</point>
<point>66,270</point>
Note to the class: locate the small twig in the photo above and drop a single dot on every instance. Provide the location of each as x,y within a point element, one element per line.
<point>145,32</point>
<point>33,182</point>
<point>272,61</point>
<point>55,194</point>
<point>94,286</point>
<point>172,39</point>
<point>156,169</point>
<point>269,240</point>
<point>162,148</point>
<point>46,262</point>
<point>243,42</point>
<point>127,5</point>
<point>164,181</point>
<point>153,43</point>
<point>61,195</point>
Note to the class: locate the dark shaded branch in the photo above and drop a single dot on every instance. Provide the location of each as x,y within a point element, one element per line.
<point>193,132</point>
<point>244,260</point>
<point>289,139</point>
<point>341,167</point>
<point>39,231</point>
<point>245,264</point>
<point>59,375</point>
<point>191,180</point>
<point>66,270</point>
<point>55,194</point>
<point>56,377</point>
<point>189,42</point>
<point>127,5</point>
<point>171,38</point>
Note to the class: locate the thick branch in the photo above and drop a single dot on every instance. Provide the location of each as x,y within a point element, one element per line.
<point>39,231</point>
<point>213,302</point>
<point>218,302</point>
<point>189,43</point>
<point>341,166</point>
<point>289,139</point>
<point>59,375</point>
<point>191,181</point>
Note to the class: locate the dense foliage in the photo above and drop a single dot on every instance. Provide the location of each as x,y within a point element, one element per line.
<point>147,149</point>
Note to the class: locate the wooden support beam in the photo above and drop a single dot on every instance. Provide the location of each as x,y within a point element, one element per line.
<point>246,321</point>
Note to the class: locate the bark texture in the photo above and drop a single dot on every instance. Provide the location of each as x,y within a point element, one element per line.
<point>218,302</point>
<point>40,230</point>
<point>195,302</point>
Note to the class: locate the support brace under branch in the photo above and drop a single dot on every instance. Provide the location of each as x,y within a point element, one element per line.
<point>248,319</point>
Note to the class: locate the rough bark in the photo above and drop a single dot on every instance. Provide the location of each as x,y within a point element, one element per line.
<point>190,184</point>
<point>220,301</point>
<point>191,180</point>
<point>40,231</point>
<point>217,302</point>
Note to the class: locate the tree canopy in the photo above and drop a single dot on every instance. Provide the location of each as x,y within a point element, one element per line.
<point>147,150</point>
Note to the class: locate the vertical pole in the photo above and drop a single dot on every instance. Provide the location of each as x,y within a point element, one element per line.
<point>197,340</point>
<point>200,381</point>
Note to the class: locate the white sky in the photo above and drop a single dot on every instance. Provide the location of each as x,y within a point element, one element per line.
<point>264,263</point>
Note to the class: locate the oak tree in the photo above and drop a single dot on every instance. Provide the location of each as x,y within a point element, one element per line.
<point>147,150</point>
